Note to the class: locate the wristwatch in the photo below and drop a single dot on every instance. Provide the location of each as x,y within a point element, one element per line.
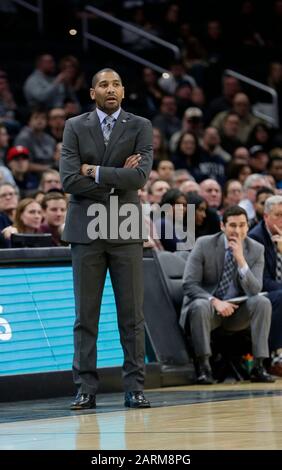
<point>91,171</point>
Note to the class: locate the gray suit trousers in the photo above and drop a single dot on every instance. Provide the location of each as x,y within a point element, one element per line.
<point>90,264</point>
<point>255,312</point>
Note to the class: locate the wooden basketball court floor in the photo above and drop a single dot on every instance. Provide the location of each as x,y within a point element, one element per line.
<point>218,417</point>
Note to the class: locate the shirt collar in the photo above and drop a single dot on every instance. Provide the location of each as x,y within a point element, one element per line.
<point>102,115</point>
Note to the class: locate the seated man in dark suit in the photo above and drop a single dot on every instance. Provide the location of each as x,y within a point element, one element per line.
<point>220,267</point>
<point>269,233</point>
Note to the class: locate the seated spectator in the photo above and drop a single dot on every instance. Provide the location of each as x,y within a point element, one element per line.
<point>187,154</point>
<point>180,176</point>
<point>241,106</point>
<point>238,171</point>
<point>252,184</point>
<point>28,219</point>
<point>159,147</point>
<point>9,197</point>
<point>166,120</point>
<point>211,192</point>
<point>239,271</point>
<point>56,123</point>
<point>190,187</point>
<point>207,221</point>
<point>171,225</point>
<point>4,143</point>
<point>165,170</point>
<point>230,86</point>
<point>54,207</point>
<point>229,133</point>
<point>261,135</point>
<point>258,159</point>
<point>8,106</point>
<point>241,155</point>
<point>275,168</point>
<point>232,193</point>
<point>43,89</point>
<point>156,190</point>
<point>261,196</point>
<point>192,122</point>
<point>269,233</point>
<point>50,179</point>
<point>213,160</point>
<point>40,144</point>
<point>18,162</point>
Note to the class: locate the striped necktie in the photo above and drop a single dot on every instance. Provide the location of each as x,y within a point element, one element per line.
<point>227,275</point>
<point>107,127</point>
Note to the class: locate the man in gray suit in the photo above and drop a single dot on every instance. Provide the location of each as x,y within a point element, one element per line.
<point>221,267</point>
<point>106,154</point>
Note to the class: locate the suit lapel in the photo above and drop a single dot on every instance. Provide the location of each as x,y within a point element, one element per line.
<point>220,255</point>
<point>95,131</point>
<point>118,129</point>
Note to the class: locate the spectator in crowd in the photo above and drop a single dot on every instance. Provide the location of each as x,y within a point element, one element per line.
<point>9,197</point>
<point>28,219</point>
<point>159,147</point>
<point>50,179</point>
<point>192,122</point>
<point>258,159</point>
<point>180,176</point>
<point>8,106</point>
<point>230,86</point>
<point>70,65</point>
<point>187,154</point>
<point>4,143</point>
<point>261,196</point>
<point>54,207</point>
<point>239,262</point>
<point>252,184</point>
<point>43,89</point>
<point>165,170</point>
<point>211,192</point>
<point>166,120</point>
<point>40,144</point>
<point>212,160</point>
<point>241,106</point>
<point>241,155</point>
<point>261,135</point>
<point>190,187</point>
<point>275,168</point>
<point>238,171</point>
<point>156,191</point>
<point>18,162</point>
<point>55,123</point>
<point>269,233</point>
<point>232,193</point>
<point>229,134</point>
<point>171,225</point>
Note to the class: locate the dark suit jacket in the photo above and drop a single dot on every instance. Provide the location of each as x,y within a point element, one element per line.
<point>204,268</point>
<point>83,143</point>
<point>260,234</point>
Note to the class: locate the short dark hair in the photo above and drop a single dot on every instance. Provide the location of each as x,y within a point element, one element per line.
<point>264,190</point>
<point>96,76</point>
<point>55,195</point>
<point>234,210</point>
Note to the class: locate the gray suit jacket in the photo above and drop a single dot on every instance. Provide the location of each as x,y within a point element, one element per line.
<point>204,268</point>
<point>83,143</point>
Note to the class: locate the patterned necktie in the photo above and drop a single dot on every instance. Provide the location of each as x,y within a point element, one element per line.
<point>227,275</point>
<point>278,266</point>
<point>107,128</point>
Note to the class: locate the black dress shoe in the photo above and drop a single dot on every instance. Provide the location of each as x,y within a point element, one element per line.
<point>83,401</point>
<point>259,374</point>
<point>205,376</point>
<point>136,400</point>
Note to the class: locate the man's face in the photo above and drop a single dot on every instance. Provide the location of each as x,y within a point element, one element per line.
<point>19,164</point>
<point>51,181</point>
<point>259,204</point>
<point>108,92</point>
<point>211,192</point>
<point>8,198</point>
<point>55,212</point>
<point>274,219</point>
<point>236,227</point>
<point>165,170</point>
<point>158,190</point>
